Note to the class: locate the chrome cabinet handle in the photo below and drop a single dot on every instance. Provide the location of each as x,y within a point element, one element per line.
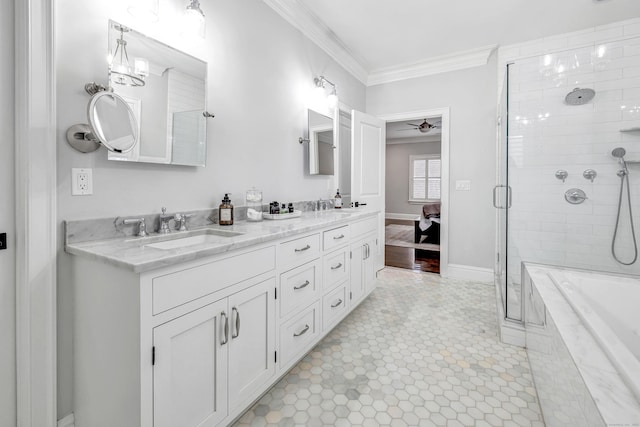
<point>509,192</point>
<point>237,332</point>
<point>304,285</point>
<point>306,248</point>
<point>338,237</point>
<point>226,328</point>
<point>302,332</point>
<point>336,304</point>
<point>337,266</point>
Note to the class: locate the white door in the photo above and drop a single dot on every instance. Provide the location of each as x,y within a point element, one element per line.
<point>368,168</point>
<point>189,374</point>
<point>252,342</point>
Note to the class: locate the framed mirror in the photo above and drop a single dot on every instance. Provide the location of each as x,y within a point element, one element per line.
<point>321,144</point>
<point>166,90</point>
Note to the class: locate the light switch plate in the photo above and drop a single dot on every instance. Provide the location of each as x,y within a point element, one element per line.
<point>463,185</point>
<point>81,182</point>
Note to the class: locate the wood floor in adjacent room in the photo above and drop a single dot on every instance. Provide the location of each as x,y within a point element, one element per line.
<point>412,258</point>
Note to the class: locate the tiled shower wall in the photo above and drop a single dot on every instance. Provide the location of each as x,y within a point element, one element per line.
<point>546,135</point>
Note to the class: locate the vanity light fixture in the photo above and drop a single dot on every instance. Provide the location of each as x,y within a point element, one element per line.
<point>120,70</point>
<point>332,99</point>
<point>193,20</point>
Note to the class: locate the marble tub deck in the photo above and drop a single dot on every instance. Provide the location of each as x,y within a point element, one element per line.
<point>615,401</point>
<point>420,351</point>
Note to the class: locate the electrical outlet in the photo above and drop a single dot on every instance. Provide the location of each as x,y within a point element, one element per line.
<point>81,182</point>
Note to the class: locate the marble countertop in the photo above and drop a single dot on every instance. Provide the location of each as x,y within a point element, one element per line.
<point>134,254</point>
<point>615,401</point>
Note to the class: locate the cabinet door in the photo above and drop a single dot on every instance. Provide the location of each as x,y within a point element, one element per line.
<point>369,263</point>
<point>252,341</point>
<point>189,375</point>
<point>357,280</point>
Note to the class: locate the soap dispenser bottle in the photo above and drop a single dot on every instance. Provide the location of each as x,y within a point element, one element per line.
<point>225,211</point>
<point>337,200</point>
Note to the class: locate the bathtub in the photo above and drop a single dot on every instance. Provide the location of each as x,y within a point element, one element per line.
<point>583,340</point>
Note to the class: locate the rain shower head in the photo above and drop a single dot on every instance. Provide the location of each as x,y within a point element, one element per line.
<point>579,96</point>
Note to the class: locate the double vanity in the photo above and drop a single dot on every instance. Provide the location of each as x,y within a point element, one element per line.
<point>190,328</point>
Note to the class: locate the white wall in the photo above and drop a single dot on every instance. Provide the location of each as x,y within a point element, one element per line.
<point>260,74</point>
<point>7,223</point>
<point>397,175</point>
<point>471,95</point>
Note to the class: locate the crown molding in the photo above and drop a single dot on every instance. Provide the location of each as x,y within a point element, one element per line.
<point>309,25</point>
<point>441,64</point>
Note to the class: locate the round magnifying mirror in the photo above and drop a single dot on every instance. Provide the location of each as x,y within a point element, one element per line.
<point>113,122</point>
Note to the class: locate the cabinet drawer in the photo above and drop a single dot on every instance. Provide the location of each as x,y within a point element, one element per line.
<point>298,334</point>
<point>365,226</point>
<point>336,237</point>
<point>334,306</point>
<point>174,289</point>
<point>335,268</point>
<point>299,287</point>
<point>297,251</point>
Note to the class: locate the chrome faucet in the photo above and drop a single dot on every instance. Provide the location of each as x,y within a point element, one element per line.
<point>164,222</point>
<point>142,226</point>
<point>181,221</point>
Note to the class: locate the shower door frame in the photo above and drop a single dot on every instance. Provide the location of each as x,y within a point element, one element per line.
<point>511,330</point>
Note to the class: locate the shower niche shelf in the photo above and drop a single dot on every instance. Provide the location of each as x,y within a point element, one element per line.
<point>633,129</point>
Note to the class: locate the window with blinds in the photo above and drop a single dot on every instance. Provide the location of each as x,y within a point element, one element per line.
<point>424,180</point>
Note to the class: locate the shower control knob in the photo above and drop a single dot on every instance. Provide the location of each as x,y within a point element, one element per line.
<point>562,175</point>
<point>590,174</point>
<point>575,196</point>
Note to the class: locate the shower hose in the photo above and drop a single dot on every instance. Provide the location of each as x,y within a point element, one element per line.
<point>624,176</point>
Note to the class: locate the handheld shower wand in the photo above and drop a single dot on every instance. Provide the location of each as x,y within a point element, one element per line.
<point>623,173</point>
<point>619,153</point>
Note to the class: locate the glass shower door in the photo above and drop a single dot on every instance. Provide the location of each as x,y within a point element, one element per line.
<point>502,202</point>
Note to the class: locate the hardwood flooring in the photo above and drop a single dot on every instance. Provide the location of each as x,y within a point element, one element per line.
<point>410,258</point>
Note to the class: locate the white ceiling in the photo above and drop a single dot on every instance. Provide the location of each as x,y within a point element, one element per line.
<point>383,34</point>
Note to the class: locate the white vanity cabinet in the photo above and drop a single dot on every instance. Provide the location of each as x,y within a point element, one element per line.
<point>214,358</point>
<point>196,343</point>
<point>364,248</point>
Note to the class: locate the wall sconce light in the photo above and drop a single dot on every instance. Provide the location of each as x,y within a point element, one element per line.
<point>193,20</point>
<point>332,99</point>
<point>120,70</point>
<point>146,10</point>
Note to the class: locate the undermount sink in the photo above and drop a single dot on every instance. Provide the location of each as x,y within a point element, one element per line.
<point>204,237</point>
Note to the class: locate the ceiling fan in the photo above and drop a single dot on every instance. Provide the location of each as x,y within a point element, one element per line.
<point>423,127</point>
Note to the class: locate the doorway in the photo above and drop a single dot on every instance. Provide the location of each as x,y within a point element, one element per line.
<point>416,164</point>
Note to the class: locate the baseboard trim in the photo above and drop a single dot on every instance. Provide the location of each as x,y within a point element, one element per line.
<point>68,421</point>
<point>467,272</point>
<point>410,217</point>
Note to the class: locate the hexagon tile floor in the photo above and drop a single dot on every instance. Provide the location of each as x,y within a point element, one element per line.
<point>420,351</point>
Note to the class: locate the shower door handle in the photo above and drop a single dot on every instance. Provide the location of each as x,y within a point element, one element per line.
<point>495,197</point>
